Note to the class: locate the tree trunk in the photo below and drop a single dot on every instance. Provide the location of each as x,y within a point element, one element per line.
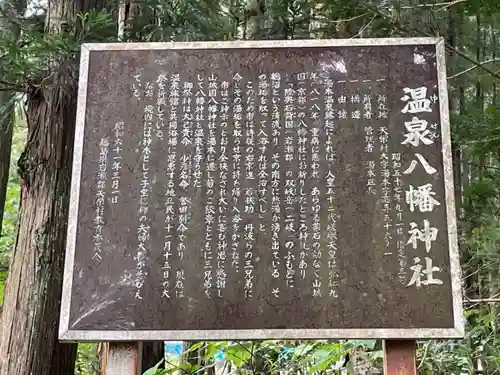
<point>6,131</point>
<point>254,13</point>
<point>29,343</point>
<point>454,104</point>
<point>9,8</point>
<point>32,297</point>
<point>493,56</point>
<point>152,353</point>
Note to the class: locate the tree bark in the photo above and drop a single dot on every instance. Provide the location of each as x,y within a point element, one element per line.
<point>29,343</point>
<point>254,12</point>
<point>10,8</point>
<point>454,104</point>
<point>152,353</point>
<point>32,297</point>
<point>6,132</point>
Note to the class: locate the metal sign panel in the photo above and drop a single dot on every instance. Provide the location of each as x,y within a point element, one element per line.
<point>253,190</point>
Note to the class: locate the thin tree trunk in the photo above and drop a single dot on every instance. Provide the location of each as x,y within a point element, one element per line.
<point>254,13</point>
<point>454,104</point>
<point>233,19</point>
<point>315,23</point>
<point>14,9</point>
<point>29,343</point>
<point>152,353</point>
<point>6,132</point>
<point>493,56</point>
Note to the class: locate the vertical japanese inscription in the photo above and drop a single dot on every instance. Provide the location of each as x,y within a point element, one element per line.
<point>420,198</point>
<point>117,157</point>
<point>237,162</point>
<point>171,141</point>
<point>290,185</point>
<point>370,142</point>
<point>143,227</point>
<point>385,178</point>
<point>397,189</point>
<point>316,189</point>
<point>370,164</point>
<point>100,199</point>
<point>276,203</point>
<point>302,159</point>
<point>330,196</point>
<point>284,183</point>
<point>250,230</point>
<point>223,203</point>
<point>210,169</point>
<point>263,145</point>
<point>181,96</point>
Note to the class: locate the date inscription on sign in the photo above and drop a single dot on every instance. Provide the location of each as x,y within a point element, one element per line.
<point>297,189</point>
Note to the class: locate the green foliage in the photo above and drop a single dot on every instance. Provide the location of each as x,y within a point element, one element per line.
<point>86,360</point>
<point>471,26</point>
<point>481,344</point>
<point>155,369</point>
<point>32,60</point>
<point>258,357</point>
<point>10,218</point>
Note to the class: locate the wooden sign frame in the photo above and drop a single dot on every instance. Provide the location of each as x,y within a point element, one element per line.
<point>66,333</point>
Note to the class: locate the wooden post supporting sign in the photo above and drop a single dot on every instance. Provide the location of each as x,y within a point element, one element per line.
<point>400,357</point>
<point>371,111</point>
<point>124,358</point>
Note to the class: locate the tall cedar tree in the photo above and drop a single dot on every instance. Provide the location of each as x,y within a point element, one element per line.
<point>29,343</point>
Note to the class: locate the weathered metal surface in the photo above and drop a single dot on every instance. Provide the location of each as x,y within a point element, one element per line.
<point>371,292</point>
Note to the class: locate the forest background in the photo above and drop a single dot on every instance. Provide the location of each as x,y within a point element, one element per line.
<point>39,47</point>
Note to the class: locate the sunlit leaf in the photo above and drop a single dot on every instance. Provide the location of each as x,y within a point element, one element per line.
<point>153,370</point>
